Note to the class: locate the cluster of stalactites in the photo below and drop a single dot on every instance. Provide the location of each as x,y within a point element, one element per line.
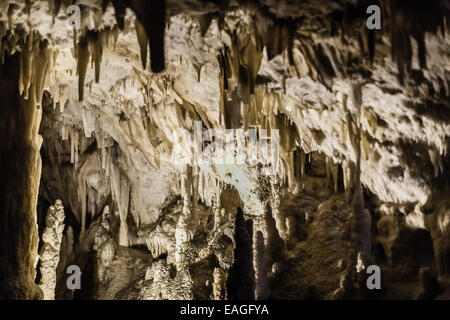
<point>37,60</point>
<point>150,26</point>
<point>83,168</point>
<point>414,19</point>
<point>157,244</point>
<point>239,61</point>
<point>90,48</point>
<point>403,20</point>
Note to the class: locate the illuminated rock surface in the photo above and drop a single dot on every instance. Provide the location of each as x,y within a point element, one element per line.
<point>105,106</point>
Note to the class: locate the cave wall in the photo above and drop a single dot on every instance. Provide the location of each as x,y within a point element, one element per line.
<point>110,111</point>
<point>20,169</point>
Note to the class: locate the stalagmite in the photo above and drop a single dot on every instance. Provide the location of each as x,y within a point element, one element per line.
<point>186,189</point>
<point>195,196</point>
<point>273,242</point>
<point>241,277</point>
<point>217,213</point>
<point>83,199</point>
<point>277,214</point>
<point>120,188</point>
<point>69,242</point>
<point>291,227</point>
<point>260,263</point>
<point>219,285</point>
<point>184,229</point>
<point>50,249</point>
<point>20,168</point>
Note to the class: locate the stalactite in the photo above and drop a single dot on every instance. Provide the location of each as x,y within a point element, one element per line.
<point>302,163</point>
<point>142,41</point>
<point>156,245</point>
<point>202,186</point>
<point>291,177</point>
<point>363,218</point>
<point>152,15</point>
<point>335,176</point>
<point>103,154</point>
<point>74,147</point>
<point>119,11</point>
<point>251,57</point>
<point>50,249</point>
<point>41,64</point>
<point>95,44</point>
<point>274,43</point>
<point>232,62</point>
<point>348,172</point>
<point>26,69</point>
<point>88,122</point>
<point>63,97</point>
<point>82,64</point>
<point>204,22</point>
<point>328,172</point>
<point>232,111</point>
<point>412,21</point>
<point>436,160</point>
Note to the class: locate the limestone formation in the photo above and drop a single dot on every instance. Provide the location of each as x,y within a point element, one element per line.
<point>50,249</point>
<point>223,149</point>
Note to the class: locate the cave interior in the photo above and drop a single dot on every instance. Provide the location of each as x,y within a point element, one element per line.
<point>116,117</point>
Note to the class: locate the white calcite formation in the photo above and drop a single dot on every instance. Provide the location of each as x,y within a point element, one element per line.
<point>50,250</point>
